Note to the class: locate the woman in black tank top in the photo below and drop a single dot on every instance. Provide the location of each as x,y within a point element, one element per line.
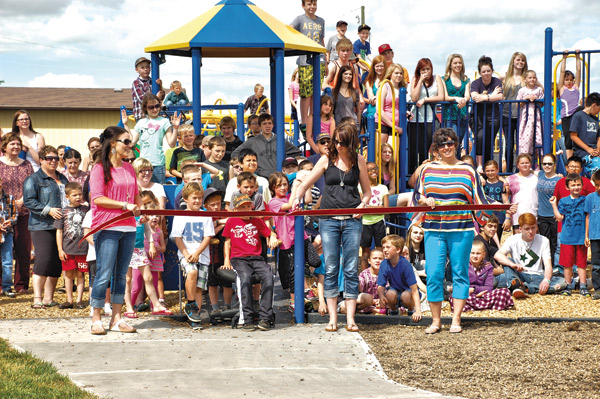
<point>343,170</point>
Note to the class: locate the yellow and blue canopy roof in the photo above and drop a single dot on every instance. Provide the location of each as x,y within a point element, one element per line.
<point>235,28</point>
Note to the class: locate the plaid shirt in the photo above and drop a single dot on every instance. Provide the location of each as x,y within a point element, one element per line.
<point>138,89</point>
<point>8,210</point>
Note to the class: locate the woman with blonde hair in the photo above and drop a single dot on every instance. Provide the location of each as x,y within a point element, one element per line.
<point>457,89</point>
<point>395,74</point>
<point>374,79</point>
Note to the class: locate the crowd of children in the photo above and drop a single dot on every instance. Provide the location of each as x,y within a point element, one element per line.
<point>222,172</point>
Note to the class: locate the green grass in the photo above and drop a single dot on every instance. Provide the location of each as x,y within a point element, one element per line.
<point>24,376</point>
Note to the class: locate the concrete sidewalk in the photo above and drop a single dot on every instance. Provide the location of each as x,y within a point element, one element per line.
<point>163,361</point>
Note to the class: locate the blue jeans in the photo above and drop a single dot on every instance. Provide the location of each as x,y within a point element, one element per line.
<point>6,253</point>
<point>158,174</point>
<point>180,102</point>
<point>344,234</point>
<point>457,246</point>
<point>113,254</point>
<point>532,281</point>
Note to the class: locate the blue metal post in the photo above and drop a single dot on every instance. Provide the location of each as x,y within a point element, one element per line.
<point>241,128</point>
<point>316,105</point>
<point>299,269</point>
<point>273,95</point>
<point>547,139</point>
<point>371,145</point>
<point>402,155</point>
<point>278,109</point>
<point>155,71</point>
<point>196,65</point>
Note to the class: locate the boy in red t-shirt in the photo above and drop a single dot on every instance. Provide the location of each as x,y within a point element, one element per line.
<point>242,251</point>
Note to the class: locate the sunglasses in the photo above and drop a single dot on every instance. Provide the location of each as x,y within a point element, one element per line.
<point>448,143</point>
<point>547,163</point>
<point>337,142</point>
<point>324,142</point>
<point>126,141</point>
<point>128,160</point>
<point>151,107</point>
<point>51,158</point>
<point>238,167</point>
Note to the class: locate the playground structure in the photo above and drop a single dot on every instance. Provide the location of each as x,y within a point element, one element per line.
<point>270,38</point>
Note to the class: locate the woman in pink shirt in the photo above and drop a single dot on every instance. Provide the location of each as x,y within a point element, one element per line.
<point>113,191</point>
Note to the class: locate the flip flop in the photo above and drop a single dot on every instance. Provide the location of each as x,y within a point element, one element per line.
<point>352,328</point>
<point>331,328</point>
<point>51,304</point>
<point>130,315</point>
<point>38,305</point>
<point>98,328</point>
<point>123,327</point>
<point>455,329</point>
<point>432,329</point>
<point>165,312</point>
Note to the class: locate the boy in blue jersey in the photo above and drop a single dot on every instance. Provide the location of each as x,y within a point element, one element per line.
<point>571,212</point>
<point>396,283</point>
<point>592,231</point>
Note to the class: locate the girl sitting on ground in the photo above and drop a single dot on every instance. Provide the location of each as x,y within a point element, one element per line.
<point>482,294</point>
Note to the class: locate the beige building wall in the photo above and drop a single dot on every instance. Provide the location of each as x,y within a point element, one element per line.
<point>71,128</point>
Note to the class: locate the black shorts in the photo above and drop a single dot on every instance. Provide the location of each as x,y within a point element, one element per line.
<point>370,231</point>
<point>47,263</point>
<point>386,129</point>
<point>566,128</point>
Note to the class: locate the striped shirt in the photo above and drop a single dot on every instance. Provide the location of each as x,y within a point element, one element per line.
<point>449,185</point>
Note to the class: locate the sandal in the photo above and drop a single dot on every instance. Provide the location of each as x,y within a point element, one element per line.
<point>130,315</point>
<point>455,329</point>
<point>331,328</point>
<point>164,312</point>
<point>98,328</point>
<point>51,304</point>
<point>123,327</point>
<point>38,305</point>
<point>432,329</point>
<point>352,328</point>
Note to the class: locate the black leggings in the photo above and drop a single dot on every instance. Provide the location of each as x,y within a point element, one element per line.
<point>486,132</point>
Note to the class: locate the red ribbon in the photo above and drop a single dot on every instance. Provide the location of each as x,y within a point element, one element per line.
<point>315,212</point>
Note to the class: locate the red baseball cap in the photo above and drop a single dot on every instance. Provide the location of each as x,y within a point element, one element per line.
<point>384,47</point>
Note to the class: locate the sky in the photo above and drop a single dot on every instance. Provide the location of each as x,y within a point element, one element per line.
<point>91,43</point>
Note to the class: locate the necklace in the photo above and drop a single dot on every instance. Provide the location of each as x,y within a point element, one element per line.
<point>342,177</point>
<point>126,182</point>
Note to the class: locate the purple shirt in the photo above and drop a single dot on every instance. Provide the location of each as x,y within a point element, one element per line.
<point>481,279</point>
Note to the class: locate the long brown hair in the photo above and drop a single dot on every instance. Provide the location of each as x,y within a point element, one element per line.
<point>20,112</point>
<point>108,136</point>
<point>424,62</point>
<point>338,84</point>
<point>348,134</point>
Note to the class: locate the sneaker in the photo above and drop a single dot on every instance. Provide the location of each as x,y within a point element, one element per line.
<point>518,293</point>
<point>249,327</point>
<point>192,311</point>
<point>10,293</point>
<point>566,292</point>
<point>264,325</point>
<point>584,292</point>
<point>311,296</point>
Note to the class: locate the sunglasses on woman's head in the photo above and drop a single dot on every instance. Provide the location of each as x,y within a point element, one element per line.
<point>126,141</point>
<point>151,107</point>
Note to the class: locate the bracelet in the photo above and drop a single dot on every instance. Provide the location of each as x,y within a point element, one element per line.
<point>548,281</point>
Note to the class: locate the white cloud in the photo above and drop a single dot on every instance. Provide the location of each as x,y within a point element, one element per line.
<point>63,80</point>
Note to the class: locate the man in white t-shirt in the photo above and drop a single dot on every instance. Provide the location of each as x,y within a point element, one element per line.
<point>527,261</point>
